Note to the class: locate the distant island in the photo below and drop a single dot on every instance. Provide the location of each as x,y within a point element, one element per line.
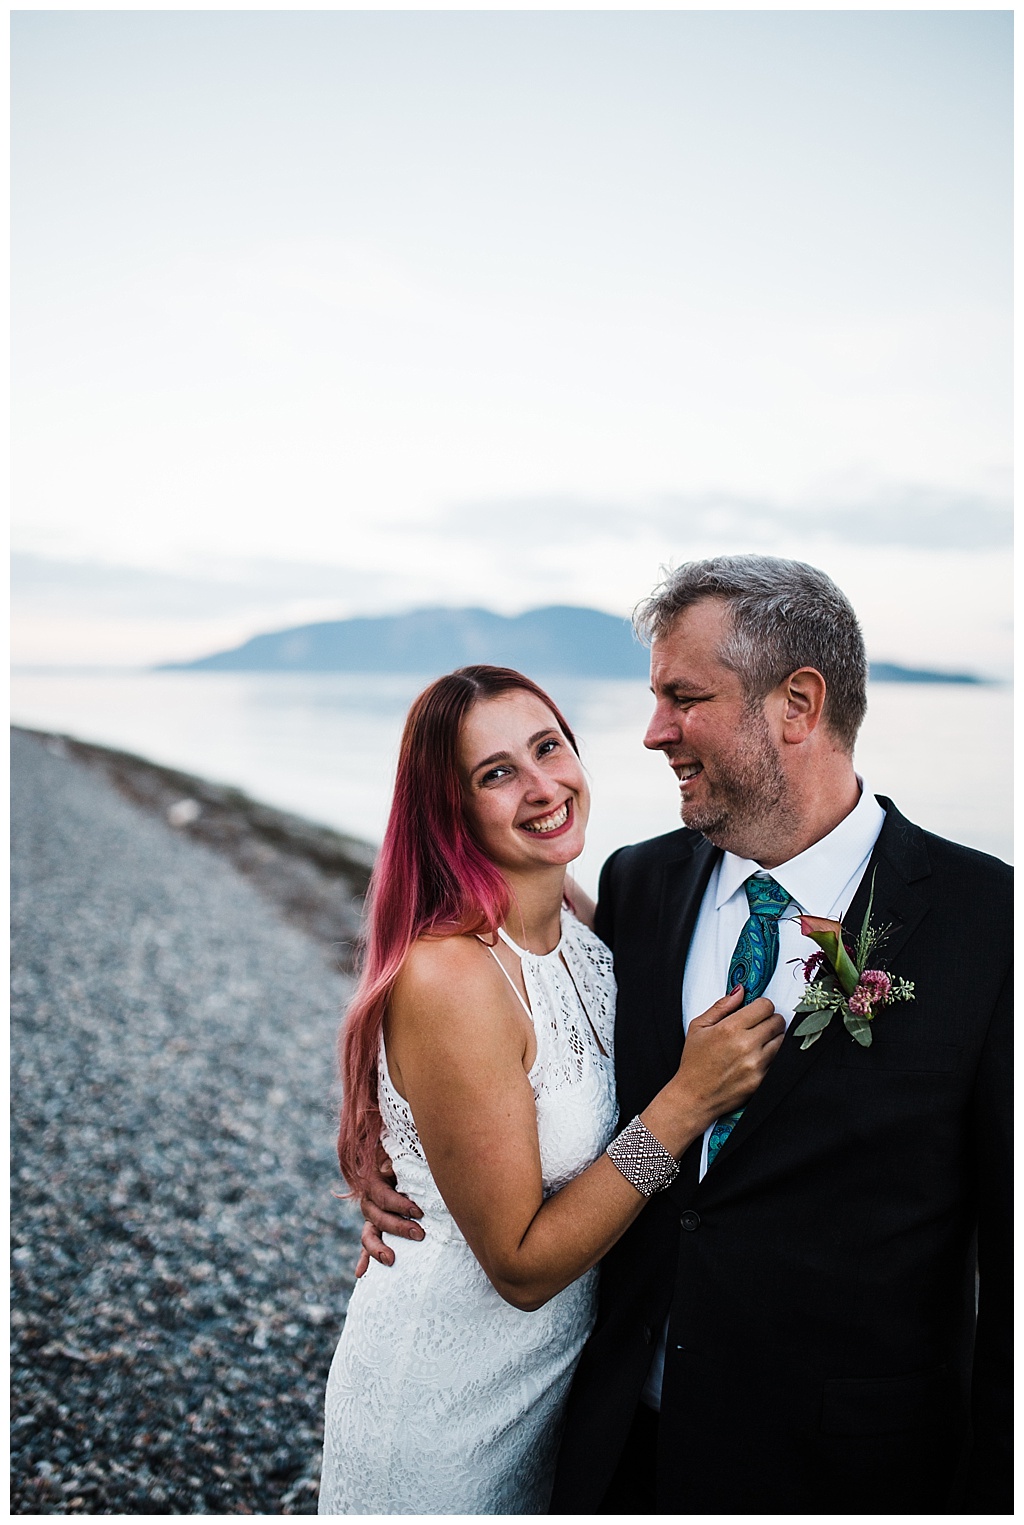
<point>889,672</point>
<point>560,640</point>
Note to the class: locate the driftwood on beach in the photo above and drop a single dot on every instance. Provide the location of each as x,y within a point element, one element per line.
<point>180,1263</point>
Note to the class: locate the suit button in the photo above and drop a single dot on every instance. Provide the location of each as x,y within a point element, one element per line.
<point>648,1335</point>
<point>690,1221</point>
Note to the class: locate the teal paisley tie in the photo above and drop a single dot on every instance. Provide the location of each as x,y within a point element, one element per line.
<point>753,964</point>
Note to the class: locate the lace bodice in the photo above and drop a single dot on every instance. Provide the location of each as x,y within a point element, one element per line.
<point>442,1397</point>
<point>571,993</point>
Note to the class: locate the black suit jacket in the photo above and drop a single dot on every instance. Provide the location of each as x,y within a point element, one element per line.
<point>820,1281</point>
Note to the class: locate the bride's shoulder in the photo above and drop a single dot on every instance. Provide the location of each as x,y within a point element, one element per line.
<point>436,965</point>
<point>449,991</point>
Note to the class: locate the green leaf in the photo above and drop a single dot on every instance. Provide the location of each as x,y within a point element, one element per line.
<point>816,999</point>
<point>815,1023</point>
<point>812,1038</point>
<point>828,935</point>
<point>865,940</point>
<point>858,1027</point>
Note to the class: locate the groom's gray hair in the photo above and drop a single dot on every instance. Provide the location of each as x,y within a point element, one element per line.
<point>785,615</point>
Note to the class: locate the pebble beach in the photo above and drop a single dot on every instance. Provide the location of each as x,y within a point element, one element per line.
<point>181,1264</point>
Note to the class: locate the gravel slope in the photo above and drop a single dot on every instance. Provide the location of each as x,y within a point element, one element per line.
<point>180,1266</point>
<point>314,876</point>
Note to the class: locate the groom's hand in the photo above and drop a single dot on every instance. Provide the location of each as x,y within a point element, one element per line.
<point>386,1211</point>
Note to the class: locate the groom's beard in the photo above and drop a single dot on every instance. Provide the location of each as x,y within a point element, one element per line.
<point>745,795</point>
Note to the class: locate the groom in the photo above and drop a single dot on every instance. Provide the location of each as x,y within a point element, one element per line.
<point>790,1326</point>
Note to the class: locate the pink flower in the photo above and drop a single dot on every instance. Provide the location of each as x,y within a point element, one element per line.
<point>818,926</point>
<point>873,988</point>
<point>878,981</point>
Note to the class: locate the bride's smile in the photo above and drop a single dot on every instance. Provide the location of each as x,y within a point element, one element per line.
<point>555,821</point>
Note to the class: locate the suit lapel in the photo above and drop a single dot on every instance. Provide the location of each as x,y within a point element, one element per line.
<point>897,864</point>
<point>685,880</point>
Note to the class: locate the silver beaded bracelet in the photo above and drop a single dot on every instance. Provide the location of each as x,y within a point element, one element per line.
<point>639,1156</point>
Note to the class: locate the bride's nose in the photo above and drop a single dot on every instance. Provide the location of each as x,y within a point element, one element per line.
<point>539,786</point>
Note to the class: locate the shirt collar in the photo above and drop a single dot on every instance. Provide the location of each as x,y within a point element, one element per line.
<point>816,877</point>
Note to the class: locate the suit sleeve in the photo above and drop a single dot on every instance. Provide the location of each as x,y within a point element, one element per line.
<point>604,916</point>
<point>990,1484</point>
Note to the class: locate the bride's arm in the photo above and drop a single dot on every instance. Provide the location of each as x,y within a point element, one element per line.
<point>456,1050</point>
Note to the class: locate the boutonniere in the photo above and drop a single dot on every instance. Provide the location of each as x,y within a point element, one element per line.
<point>838,979</point>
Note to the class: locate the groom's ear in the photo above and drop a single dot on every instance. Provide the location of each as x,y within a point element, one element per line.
<point>802,702</point>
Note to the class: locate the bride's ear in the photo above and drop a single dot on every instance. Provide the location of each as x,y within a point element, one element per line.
<point>803,703</point>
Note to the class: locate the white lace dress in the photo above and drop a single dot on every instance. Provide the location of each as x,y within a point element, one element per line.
<point>443,1398</point>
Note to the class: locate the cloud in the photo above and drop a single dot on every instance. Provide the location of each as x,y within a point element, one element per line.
<point>221,587</point>
<point>913,517</point>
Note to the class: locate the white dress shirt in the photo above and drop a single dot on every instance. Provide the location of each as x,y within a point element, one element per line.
<point>821,881</point>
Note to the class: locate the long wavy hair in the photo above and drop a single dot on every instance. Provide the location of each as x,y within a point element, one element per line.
<point>430,878</point>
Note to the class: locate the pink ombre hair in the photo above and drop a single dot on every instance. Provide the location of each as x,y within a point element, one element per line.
<point>430,878</point>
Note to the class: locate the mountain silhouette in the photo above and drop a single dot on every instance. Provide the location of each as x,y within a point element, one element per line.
<point>561,640</point>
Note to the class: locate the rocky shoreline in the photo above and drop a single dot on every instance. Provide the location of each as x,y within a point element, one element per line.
<point>181,1265</point>
<point>314,875</point>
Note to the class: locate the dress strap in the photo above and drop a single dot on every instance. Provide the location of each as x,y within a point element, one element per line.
<point>505,972</point>
<point>525,952</point>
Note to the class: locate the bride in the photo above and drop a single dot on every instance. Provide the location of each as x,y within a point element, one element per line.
<point>478,1050</point>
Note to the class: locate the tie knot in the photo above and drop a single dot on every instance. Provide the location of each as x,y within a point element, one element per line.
<point>765,897</point>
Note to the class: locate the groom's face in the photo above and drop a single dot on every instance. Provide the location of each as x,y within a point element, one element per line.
<point>719,744</point>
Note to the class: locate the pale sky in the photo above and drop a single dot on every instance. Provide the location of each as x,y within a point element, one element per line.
<point>329,312</point>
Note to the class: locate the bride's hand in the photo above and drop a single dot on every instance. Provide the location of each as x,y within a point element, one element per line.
<point>727,1052</point>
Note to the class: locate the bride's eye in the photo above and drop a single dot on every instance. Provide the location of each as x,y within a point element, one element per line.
<point>547,746</point>
<point>494,775</point>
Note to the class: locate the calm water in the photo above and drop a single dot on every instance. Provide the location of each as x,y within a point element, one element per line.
<point>324,745</point>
